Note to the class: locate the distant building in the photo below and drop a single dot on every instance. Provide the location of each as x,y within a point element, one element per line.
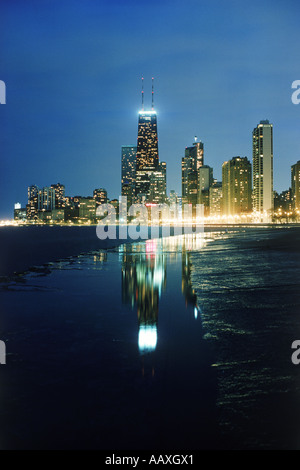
<point>216,199</point>
<point>196,153</point>
<point>128,169</point>
<point>87,208</point>
<point>191,162</point>
<point>40,200</point>
<point>262,138</point>
<point>52,216</point>
<point>32,205</point>
<point>205,177</point>
<point>192,188</point>
<point>127,191</point>
<point>173,197</point>
<point>283,202</point>
<point>60,200</point>
<point>115,204</point>
<point>81,209</point>
<point>295,170</point>
<point>149,173</point>
<point>205,181</point>
<point>100,196</point>
<point>46,199</point>
<point>236,187</point>
<point>147,151</point>
<point>19,212</point>
<point>158,184</point>
<point>174,203</point>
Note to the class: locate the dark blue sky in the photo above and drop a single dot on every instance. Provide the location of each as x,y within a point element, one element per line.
<point>73,76</point>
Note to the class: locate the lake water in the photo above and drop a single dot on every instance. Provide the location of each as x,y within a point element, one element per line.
<point>177,343</point>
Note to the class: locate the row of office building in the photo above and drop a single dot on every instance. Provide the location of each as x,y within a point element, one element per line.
<point>51,205</point>
<point>246,189</point>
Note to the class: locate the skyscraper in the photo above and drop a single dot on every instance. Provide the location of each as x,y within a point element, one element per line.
<point>191,162</point>
<point>32,206</point>
<point>262,138</point>
<point>236,187</point>
<point>158,184</point>
<point>60,201</point>
<point>205,177</point>
<point>39,200</point>
<point>205,181</point>
<point>128,166</point>
<point>216,199</point>
<point>296,185</point>
<point>147,149</point>
<point>100,196</point>
<point>46,199</point>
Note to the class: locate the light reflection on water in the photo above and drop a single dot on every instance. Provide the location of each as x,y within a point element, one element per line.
<point>144,279</point>
<point>174,339</point>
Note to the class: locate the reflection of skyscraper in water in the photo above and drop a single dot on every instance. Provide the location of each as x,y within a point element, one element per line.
<point>143,279</point>
<point>100,257</point>
<point>186,284</point>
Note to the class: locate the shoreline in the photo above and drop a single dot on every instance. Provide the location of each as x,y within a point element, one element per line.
<point>210,224</point>
<point>38,245</point>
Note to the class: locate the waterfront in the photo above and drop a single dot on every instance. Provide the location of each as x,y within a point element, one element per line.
<point>178,343</point>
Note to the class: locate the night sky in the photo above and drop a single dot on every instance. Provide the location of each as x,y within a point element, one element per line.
<point>73,76</point>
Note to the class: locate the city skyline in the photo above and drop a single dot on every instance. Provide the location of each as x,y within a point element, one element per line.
<point>143,180</point>
<point>71,112</point>
<point>195,153</point>
<point>234,195</point>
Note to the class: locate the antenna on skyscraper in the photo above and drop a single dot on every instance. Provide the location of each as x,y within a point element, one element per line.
<point>142,93</point>
<point>152,94</point>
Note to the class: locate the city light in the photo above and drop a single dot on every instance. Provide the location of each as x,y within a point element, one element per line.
<point>245,194</point>
<point>147,338</point>
<point>147,112</point>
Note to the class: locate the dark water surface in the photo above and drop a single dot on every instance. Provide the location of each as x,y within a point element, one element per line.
<point>178,343</point>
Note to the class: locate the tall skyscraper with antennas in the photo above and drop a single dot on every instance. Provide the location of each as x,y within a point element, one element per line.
<point>147,160</point>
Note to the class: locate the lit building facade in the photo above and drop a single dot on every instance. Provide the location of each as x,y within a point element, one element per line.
<point>46,199</point>
<point>173,197</point>
<point>205,177</point>
<point>100,196</point>
<point>80,209</point>
<point>262,139</point>
<point>60,201</point>
<point>39,200</point>
<point>296,185</point>
<point>158,184</point>
<point>46,204</point>
<point>283,202</point>
<point>147,152</point>
<point>191,162</point>
<point>192,188</point>
<point>236,186</point>
<point>87,208</point>
<point>205,181</point>
<point>32,205</point>
<point>19,212</point>
<point>216,199</point>
<point>128,169</point>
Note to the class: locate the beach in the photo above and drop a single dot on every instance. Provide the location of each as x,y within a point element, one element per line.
<point>181,343</point>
